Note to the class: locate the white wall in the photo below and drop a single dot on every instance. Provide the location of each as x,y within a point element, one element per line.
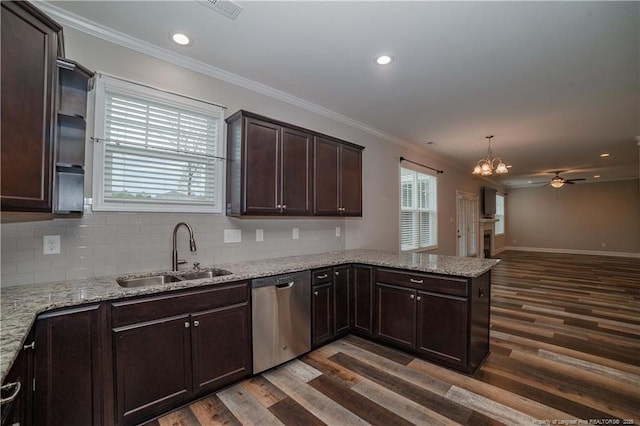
<point>578,217</point>
<point>110,243</point>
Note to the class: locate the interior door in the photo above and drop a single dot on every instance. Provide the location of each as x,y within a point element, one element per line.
<point>467,224</point>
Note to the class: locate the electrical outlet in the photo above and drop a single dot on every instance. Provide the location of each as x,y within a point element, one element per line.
<point>603,245</point>
<point>232,235</point>
<point>338,231</point>
<point>51,244</point>
<point>259,235</point>
<point>295,234</point>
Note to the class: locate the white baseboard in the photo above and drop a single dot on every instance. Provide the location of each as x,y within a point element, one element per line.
<point>570,251</point>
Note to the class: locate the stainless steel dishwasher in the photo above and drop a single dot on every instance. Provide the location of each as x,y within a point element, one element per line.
<point>281,317</point>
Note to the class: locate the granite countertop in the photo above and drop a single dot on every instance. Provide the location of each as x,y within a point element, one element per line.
<point>20,305</point>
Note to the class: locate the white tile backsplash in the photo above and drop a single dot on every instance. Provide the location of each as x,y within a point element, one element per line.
<point>119,243</point>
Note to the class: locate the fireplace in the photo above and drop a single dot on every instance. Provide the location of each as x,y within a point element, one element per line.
<point>486,242</point>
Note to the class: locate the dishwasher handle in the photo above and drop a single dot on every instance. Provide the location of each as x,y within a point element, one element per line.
<point>285,285</point>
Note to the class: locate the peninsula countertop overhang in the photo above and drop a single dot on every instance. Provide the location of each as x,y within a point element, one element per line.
<point>21,304</point>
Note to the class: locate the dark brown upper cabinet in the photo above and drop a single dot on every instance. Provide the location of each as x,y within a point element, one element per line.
<point>338,178</point>
<point>44,102</point>
<point>270,169</point>
<point>29,51</point>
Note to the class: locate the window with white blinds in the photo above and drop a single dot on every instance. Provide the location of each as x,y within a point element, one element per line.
<point>418,210</point>
<point>155,151</point>
<point>500,214</point>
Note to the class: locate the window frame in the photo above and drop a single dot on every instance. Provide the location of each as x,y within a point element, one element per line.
<point>501,217</point>
<point>433,212</point>
<point>108,84</point>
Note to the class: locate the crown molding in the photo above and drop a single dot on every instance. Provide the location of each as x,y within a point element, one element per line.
<point>79,23</point>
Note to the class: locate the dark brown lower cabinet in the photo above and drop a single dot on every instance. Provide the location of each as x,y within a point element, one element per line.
<point>444,319</point>
<point>175,347</point>
<point>442,326</point>
<point>18,393</point>
<point>342,299</point>
<point>362,292</point>
<point>153,367</point>
<point>396,315</point>
<point>322,314</point>
<point>69,360</point>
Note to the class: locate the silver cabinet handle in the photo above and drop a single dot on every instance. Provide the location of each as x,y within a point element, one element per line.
<point>31,345</point>
<point>196,323</point>
<point>416,281</point>
<point>187,324</point>
<point>16,389</point>
<point>322,276</point>
<point>412,296</point>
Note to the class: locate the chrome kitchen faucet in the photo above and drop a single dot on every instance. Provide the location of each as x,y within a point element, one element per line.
<point>192,245</point>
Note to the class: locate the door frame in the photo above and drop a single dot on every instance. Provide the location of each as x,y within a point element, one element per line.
<point>473,198</point>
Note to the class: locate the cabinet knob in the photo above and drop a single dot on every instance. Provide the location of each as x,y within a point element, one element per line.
<point>279,206</point>
<point>412,296</point>
<point>337,273</point>
<point>284,207</point>
<point>418,298</point>
<point>481,292</point>
<point>315,293</point>
<point>187,324</point>
<point>196,323</point>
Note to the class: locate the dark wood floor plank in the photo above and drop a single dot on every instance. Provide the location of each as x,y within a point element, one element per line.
<point>356,403</point>
<point>410,391</point>
<point>210,411</point>
<point>291,413</point>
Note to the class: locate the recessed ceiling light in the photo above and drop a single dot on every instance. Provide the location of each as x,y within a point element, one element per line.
<point>596,176</point>
<point>529,181</point>
<point>181,39</point>
<point>384,60</point>
<point>604,154</point>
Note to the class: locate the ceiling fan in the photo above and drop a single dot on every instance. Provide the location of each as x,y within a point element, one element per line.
<point>558,181</point>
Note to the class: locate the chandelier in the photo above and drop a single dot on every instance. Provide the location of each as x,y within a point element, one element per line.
<point>487,166</point>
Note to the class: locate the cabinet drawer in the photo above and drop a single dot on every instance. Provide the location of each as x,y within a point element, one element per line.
<point>434,283</point>
<point>171,304</point>
<point>321,276</point>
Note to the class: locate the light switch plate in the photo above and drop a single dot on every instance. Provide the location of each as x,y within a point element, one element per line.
<point>338,231</point>
<point>295,234</point>
<point>259,235</point>
<point>232,235</point>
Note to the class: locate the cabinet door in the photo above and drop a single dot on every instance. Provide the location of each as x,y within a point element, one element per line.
<point>351,181</point>
<point>296,155</point>
<point>327,177</point>
<point>322,313</point>
<point>442,326</point>
<point>221,347</point>
<point>152,367</point>
<point>396,319</point>
<point>29,50</point>
<point>68,367</point>
<point>261,174</point>
<point>342,296</point>
<point>362,315</point>
<point>19,410</point>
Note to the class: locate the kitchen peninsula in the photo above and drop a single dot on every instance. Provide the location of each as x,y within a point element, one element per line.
<point>436,295</point>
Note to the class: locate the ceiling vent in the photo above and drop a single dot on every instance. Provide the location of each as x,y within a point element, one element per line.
<point>227,8</point>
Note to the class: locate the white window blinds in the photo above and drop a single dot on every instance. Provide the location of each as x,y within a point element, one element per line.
<point>418,212</point>
<point>155,151</point>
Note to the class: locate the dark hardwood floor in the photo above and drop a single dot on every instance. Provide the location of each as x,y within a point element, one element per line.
<point>565,349</point>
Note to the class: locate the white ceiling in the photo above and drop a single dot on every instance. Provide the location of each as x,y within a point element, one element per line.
<point>557,83</point>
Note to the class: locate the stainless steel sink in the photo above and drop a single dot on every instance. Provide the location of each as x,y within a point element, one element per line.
<point>208,273</point>
<point>166,278</point>
<point>147,281</point>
